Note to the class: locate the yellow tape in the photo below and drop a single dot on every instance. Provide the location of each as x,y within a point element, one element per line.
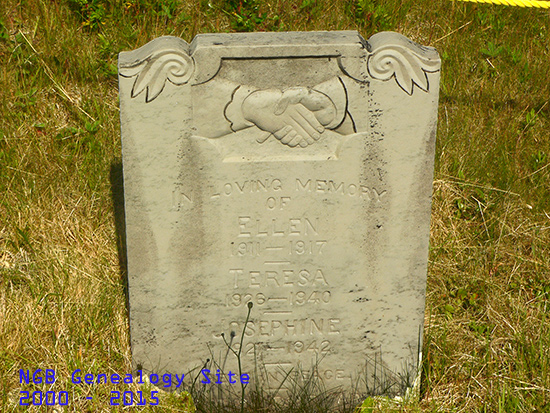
<point>520,3</point>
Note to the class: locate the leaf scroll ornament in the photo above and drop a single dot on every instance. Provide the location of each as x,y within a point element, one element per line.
<point>408,67</point>
<point>152,72</point>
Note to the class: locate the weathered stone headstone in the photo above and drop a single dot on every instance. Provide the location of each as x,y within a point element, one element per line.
<point>288,170</point>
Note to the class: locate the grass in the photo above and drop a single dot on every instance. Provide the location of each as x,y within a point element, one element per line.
<point>62,291</point>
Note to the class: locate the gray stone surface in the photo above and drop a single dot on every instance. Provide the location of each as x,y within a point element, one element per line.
<point>290,170</point>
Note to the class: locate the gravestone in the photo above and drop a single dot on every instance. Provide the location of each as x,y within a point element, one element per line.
<point>292,171</point>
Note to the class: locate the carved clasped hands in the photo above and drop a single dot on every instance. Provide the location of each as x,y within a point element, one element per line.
<point>295,116</point>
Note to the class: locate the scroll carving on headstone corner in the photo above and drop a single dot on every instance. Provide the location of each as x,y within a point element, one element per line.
<point>152,72</point>
<point>407,66</point>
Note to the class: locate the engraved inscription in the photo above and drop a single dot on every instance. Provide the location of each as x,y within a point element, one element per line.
<point>306,247</point>
<point>277,203</point>
<point>316,346</point>
<point>288,327</point>
<point>299,347</point>
<point>250,227</point>
<point>180,198</point>
<point>331,187</point>
<point>292,298</point>
<point>292,347</point>
<point>247,186</point>
<point>278,278</point>
<point>293,247</point>
<point>300,185</point>
<point>278,373</point>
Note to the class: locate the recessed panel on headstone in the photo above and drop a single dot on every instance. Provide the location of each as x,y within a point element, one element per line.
<point>292,171</point>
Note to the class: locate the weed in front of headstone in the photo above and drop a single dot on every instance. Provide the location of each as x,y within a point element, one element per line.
<point>221,399</point>
<point>238,354</point>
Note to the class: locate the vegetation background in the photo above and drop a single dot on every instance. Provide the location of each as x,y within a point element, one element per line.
<point>62,288</point>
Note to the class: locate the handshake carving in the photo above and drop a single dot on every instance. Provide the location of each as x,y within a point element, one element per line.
<point>296,116</point>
